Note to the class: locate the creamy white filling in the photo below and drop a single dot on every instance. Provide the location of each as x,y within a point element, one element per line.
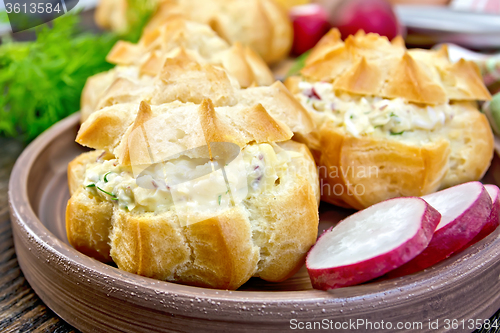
<point>366,115</point>
<point>153,190</point>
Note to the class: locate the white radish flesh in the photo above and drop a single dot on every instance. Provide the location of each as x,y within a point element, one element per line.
<point>371,242</point>
<point>465,209</point>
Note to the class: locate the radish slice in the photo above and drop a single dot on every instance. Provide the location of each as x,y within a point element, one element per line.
<point>494,219</point>
<point>465,209</point>
<point>371,242</point>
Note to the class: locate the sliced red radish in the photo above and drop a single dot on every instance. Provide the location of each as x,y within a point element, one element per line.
<point>310,23</point>
<point>371,242</point>
<point>494,219</point>
<point>465,209</point>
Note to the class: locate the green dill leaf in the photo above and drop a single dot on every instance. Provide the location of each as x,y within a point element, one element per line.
<point>138,14</point>
<point>106,177</point>
<point>397,133</point>
<point>111,194</point>
<point>41,81</point>
<point>299,63</point>
<point>393,114</point>
<point>4,18</point>
<point>220,196</point>
<point>90,185</point>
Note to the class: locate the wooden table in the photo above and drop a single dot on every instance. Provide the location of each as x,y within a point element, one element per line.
<point>20,308</point>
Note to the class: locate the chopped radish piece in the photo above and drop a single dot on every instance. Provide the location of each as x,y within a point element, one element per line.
<point>371,242</point>
<point>494,219</point>
<point>465,209</point>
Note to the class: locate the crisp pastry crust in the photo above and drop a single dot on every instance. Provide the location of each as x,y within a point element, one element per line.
<point>391,122</point>
<point>112,15</point>
<point>88,222</point>
<point>267,234</point>
<point>181,79</point>
<point>139,64</point>
<point>262,25</point>
<point>372,169</point>
<point>268,237</point>
<point>371,65</point>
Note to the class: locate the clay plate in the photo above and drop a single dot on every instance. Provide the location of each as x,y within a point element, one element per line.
<point>96,297</point>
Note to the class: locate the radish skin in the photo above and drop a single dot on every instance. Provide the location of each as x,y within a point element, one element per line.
<point>494,219</point>
<point>375,16</point>
<point>371,242</point>
<point>457,228</point>
<point>310,23</point>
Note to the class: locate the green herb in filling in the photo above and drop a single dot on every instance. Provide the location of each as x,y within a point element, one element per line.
<point>106,177</point>
<point>110,194</point>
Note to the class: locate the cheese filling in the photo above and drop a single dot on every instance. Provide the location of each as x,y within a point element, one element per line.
<point>366,115</point>
<point>152,191</point>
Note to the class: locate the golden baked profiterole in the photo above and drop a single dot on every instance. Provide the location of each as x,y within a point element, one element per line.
<point>262,25</point>
<point>154,198</point>
<point>389,121</point>
<point>139,63</point>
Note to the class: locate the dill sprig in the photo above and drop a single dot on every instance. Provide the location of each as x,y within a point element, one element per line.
<point>300,62</point>
<point>106,176</point>
<point>41,81</point>
<point>138,14</point>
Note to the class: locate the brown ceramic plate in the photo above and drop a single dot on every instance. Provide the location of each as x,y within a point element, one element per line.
<point>96,297</point>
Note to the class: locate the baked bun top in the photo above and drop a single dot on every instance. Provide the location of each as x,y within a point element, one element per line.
<point>260,24</point>
<point>200,101</point>
<point>196,40</point>
<point>137,134</point>
<point>140,63</point>
<point>368,64</point>
<point>187,84</point>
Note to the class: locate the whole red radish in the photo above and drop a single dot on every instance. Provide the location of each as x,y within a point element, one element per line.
<point>369,15</point>
<point>310,23</point>
<point>371,242</point>
<point>465,209</point>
